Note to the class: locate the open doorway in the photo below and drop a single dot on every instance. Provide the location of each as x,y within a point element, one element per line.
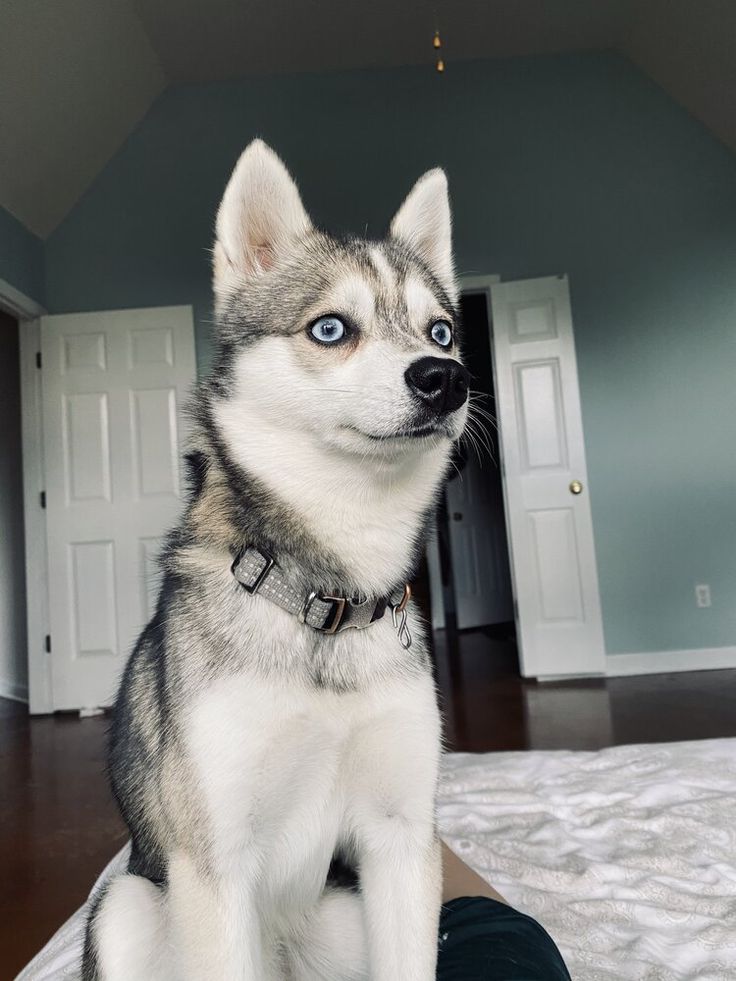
<point>475,602</point>
<point>13,660</point>
<point>548,520</point>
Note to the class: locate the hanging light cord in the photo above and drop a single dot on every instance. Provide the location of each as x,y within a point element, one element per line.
<point>437,45</point>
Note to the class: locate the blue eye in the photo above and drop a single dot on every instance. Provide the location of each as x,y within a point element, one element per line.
<point>328,330</point>
<point>441,332</point>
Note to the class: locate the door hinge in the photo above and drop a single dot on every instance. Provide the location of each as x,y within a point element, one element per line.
<point>38,359</point>
<point>516,609</point>
<point>48,643</point>
<point>43,499</point>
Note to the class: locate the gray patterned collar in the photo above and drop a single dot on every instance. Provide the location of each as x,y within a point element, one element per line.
<point>258,572</point>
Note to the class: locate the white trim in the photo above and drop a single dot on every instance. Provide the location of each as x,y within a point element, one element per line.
<point>17,303</point>
<point>664,662</point>
<point>13,691</point>
<point>478,284</point>
<point>26,311</point>
<point>39,661</point>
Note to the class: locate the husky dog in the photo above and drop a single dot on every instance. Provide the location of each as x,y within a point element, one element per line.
<point>261,748</point>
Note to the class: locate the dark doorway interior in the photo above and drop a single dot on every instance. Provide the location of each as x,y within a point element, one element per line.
<point>13,646</point>
<point>476,574</point>
<point>475,524</point>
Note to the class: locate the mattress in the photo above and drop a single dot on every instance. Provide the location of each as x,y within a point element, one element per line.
<point>627,856</point>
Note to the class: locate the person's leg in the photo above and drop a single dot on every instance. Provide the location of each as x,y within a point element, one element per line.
<point>458,879</point>
<point>482,938</point>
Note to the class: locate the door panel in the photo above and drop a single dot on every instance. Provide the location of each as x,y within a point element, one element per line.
<point>93,597</point>
<point>83,352</point>
<point>550,528</point>
<point>558,576</point>
<point>113,387</point>
<point>155,441</point>
<point>86,447</point>
<point>539,403</point>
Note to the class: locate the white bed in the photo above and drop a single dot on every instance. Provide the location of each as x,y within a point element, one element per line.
<point>627,856</point>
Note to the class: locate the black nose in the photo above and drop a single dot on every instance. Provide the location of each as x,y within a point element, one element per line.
<point>441,383</point>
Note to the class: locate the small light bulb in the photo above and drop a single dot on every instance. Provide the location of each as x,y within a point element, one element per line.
<point>440,65</point>
<point>437,42</point>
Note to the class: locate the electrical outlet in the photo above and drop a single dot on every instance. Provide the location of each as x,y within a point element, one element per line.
<point>702,595</point>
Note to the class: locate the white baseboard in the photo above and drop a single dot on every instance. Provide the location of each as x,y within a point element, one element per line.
<point>12,690</point>
<point>663,662</point>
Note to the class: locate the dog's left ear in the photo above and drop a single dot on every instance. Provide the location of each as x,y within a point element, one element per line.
<point>260,217</point>
<point>424,223</point>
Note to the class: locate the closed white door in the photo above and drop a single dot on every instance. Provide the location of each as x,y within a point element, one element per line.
<point>546,489</point>
<point>480,563</point>
<point>114,384</point>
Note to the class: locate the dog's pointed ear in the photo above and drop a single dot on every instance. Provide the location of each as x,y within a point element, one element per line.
<point>260,216</point>
<point>424,223</point>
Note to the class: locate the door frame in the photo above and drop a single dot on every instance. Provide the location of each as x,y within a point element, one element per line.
<point>27,312</point>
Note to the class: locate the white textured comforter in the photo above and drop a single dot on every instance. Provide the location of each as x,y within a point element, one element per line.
<point>627,856</point>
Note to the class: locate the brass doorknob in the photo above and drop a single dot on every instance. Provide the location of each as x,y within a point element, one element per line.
<point>576,487</point>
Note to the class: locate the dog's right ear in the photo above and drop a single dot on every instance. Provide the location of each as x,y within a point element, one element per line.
<point>260,216</point>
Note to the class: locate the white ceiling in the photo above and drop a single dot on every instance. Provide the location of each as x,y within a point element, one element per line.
<point>76,76</point>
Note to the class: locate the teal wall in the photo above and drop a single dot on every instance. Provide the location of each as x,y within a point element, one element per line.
<point>572,164</point>
<point>21,258</point>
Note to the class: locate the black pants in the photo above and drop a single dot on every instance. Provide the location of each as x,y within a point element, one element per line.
<point>484,940</point>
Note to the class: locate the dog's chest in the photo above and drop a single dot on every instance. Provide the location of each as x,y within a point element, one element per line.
<point>282,769</point>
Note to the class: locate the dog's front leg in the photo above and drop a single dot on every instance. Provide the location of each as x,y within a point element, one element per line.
<point>393,772</point>
<point>401,882</point>
<point>216,931</point>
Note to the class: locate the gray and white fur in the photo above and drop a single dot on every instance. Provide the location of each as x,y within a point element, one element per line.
<point>278,783</point>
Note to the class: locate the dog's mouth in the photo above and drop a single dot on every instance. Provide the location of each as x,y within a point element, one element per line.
<point>409,432</point>
<point>415,432</point>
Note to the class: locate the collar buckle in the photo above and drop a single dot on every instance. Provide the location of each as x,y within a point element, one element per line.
<point>338,611</point>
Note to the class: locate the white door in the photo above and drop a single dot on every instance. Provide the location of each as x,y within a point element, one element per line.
<point>113,388</point>
<point>549,521</point>
<point>480,563</point>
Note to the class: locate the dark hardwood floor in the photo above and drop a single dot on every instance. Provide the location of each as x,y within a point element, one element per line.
<point>488,706</point>
<point>59,826</point>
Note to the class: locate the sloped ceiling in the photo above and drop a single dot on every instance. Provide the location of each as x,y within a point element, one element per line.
<point>689,48</point>
<point>76,76</point>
